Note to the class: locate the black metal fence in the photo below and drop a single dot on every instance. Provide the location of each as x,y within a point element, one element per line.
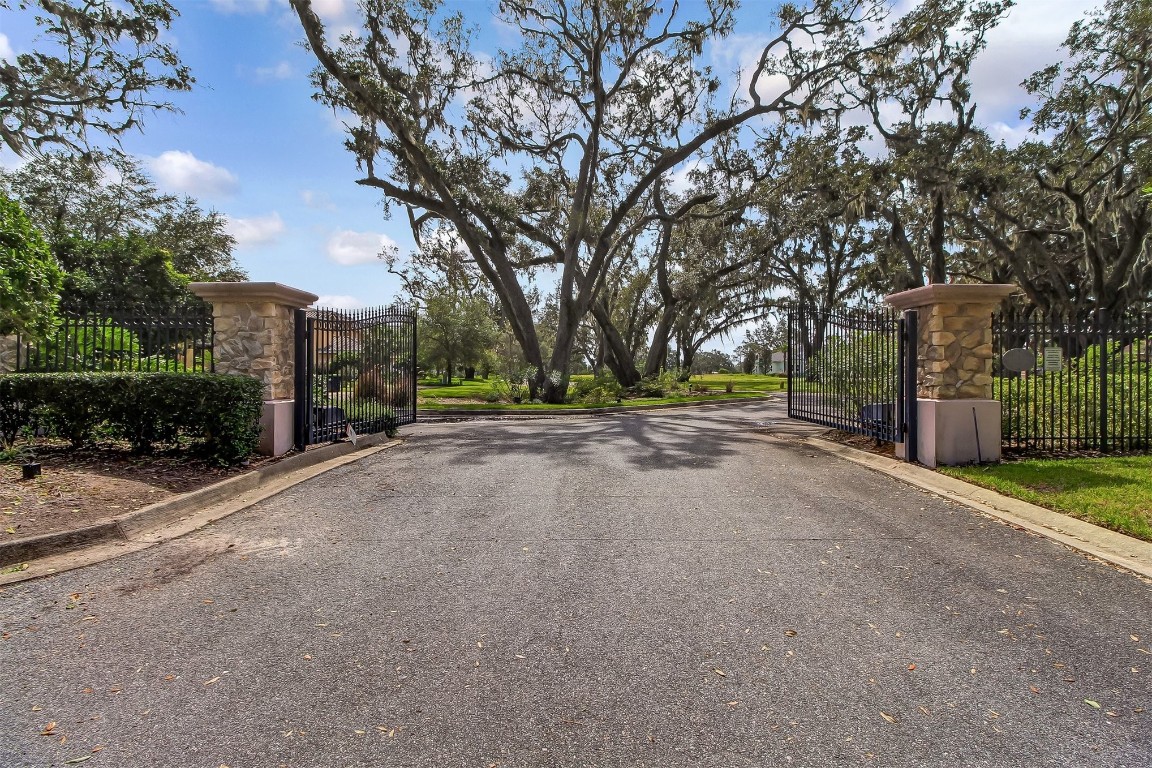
<point>1074,386</point>
<point>850,371</point>
<point>123,339</point>
<point>355,369</point>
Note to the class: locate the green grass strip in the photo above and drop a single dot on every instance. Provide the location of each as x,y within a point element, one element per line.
<point>1114,492</point>
<point>448,405</point>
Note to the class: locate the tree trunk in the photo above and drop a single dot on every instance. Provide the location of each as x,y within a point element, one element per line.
<point>618,357</point>
<point>469,372</point>
<point>661,337</point>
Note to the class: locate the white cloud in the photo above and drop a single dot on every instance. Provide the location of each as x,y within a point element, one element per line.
<point>240,6</point>
<point>348,248</point>
<point>340,301</point>
<point>1027,40</point>
<point>317,200</point>
<point>6,51</point>
<point>330,10</point>
<point>281,71</point>
<point>185,173</point>
<point>1011,135</point>
<point>257,230</point>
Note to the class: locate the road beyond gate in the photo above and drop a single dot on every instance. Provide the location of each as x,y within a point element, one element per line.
<point>662,589</point>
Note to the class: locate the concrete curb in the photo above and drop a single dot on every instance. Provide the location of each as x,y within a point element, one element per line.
<point>177,516</point>
<point>1122,551</point>
<point>428,416</point>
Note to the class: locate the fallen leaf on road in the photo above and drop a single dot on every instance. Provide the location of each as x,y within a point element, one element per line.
<point>48,729</point>
<point>889,718</point>
<point>790,632</point>
<point>911,667</point>
<point>1093,704</point>
<point>213,680</point>
<point>1034,689</point>
<point>80,759</point>
<point>720,672</point>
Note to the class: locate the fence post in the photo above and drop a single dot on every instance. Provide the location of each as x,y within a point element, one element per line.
<point>958,420</point>
<point>254,336</point>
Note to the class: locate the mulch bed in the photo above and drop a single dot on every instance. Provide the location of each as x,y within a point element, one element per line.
<point>861,442</point>
<point>81,487</point>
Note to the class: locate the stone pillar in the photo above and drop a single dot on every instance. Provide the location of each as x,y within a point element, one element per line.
<point>255,337</point>
<point>9,349</point>
<point>959,422</point>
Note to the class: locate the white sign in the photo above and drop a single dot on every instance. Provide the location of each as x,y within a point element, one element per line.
<point>1053,359</point>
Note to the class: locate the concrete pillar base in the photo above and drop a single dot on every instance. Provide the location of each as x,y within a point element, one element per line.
<point>948,430</point>
<point>276,427</point>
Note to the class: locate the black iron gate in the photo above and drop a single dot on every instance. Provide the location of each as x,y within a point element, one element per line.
<point>355,372</point>
<point>855,371</point>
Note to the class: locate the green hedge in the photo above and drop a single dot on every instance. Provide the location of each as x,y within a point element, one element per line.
<point>219,415</point>
<point>1064,406</point>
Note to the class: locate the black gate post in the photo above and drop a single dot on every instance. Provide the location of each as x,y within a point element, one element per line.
<point>787,361</point>
<point>300,382</point>
<point>910,340</point>
<point>412,378</point>
<point>1102,361</point>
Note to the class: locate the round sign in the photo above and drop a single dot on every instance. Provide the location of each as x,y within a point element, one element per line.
<point>1019,359</point>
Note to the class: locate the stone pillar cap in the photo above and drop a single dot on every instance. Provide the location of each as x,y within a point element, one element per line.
<point>253,293</point>
<point>952,293</point>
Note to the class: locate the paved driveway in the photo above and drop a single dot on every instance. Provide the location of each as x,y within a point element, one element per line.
<point>662,589</point>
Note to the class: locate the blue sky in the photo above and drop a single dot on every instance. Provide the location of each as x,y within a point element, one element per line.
<point>251,143</point>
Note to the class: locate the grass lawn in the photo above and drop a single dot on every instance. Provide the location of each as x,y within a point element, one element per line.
<point>459,388</point>
<point>477,389</point>
<point>1115,491</point>
<point>447,404</point>
<point>747,382</point>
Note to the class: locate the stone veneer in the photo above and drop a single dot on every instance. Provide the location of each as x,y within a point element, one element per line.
<point>8,354</point>
<point>254,331</point>
<point>955,349</point>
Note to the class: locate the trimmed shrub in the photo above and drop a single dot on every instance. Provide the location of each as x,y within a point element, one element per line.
<point>602,389</point>
<point>218,414</point>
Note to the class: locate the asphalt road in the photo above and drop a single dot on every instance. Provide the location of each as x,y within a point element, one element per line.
<point>661,589</point>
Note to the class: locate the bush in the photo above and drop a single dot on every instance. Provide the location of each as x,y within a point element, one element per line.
<point>1065,404</point>
<point>666,384</point>
<point>602,389</point>
<point>218,414</point>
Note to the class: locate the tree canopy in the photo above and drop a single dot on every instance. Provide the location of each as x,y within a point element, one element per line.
<point>623,209</point>
<point>118,238</point>
<point>30,279</point>
<point>564,138</point>
<point>98,67</point>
